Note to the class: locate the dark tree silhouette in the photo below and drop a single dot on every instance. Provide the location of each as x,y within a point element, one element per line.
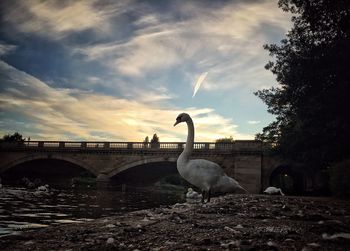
<point>16,137</point>
<point>312,100</point>
<point>225,140</point>
<point>155,139</point>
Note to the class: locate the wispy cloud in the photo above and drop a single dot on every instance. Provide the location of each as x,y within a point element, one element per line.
<point>227,42</point>
<point>138,56</point>
<point>57,19</point>
<point>66,114</point>
<point>6,48</point>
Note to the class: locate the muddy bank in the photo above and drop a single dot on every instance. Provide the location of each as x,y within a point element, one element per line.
<point>233,222</point>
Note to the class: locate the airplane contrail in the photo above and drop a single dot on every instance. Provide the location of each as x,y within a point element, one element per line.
<point>199,82</point>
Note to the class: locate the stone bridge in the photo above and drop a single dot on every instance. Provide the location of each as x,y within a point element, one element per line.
<point>243,159</point>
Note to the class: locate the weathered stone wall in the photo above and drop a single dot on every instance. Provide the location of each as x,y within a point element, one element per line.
<point>248,172</point>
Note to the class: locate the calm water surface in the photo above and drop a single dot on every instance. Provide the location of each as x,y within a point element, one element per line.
<point>24,209</point>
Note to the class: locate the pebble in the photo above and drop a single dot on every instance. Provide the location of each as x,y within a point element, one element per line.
<point>314,244</point>
<point>170,243</point>
<point>307,248</point>
<point>231,230</point>
<point>271,244</point>
<point>289,240</point>
<point>178,205</point>
<point>300,213</point>
<point>110,240</point>
<point>155,249</point>
<point>334,222</point>
<point>145,219</point>
<point>335,236</point>
<point>230,244</point>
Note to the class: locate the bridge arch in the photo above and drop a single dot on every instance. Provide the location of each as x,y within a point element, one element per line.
<point>29,158</point>
<point>288,177</point>
<point>140,163</point>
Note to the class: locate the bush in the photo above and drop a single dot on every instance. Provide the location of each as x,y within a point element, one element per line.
<point>16,137</point>
<point>225,140</point>
<point>339,178</point>
<point>155,141</point>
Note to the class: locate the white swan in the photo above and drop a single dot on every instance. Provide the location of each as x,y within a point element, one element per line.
<point>204,174</point>
<point>191,194</point>
<point>273,190</point>
<point>43,188</point>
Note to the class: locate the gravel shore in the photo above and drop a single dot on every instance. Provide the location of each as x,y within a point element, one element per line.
<point>231,222</point>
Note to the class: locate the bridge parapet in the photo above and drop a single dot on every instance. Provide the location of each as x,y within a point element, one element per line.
<point>241,146</point>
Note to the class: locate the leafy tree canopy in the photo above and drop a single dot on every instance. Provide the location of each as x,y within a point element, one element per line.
<point>312,99</point>
<point>225,140</point>
<point>155,139</point>
<point>16,137</point>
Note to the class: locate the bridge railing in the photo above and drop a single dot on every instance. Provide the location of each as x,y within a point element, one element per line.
<point>238,145</point>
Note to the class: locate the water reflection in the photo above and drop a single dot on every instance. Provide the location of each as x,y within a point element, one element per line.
<point>22,209</point>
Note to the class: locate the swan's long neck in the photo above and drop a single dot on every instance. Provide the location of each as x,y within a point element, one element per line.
<point>185,155</point>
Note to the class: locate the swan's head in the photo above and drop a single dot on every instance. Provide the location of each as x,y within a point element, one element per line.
<point>190,190</point>
<point>182,117</point>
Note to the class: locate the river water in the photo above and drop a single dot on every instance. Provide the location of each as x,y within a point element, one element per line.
<point>23,209</point>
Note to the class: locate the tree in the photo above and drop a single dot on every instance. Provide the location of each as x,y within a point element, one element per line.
<point>225,140</point>
<point>16,137</point>
<point>155,141</point>
<point>145,142</point>
<point>312,69</point>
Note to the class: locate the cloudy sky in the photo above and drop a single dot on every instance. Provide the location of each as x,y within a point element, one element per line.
<point>123,70</point>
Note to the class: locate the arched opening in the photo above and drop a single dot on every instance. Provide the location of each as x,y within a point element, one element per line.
<point>157,173</point>
<point>289,180</point>
<point>45,171</point>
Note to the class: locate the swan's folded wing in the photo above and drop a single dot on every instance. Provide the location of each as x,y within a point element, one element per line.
<point>227,184</point>
<point>202,173</point>
<point>206,166</point>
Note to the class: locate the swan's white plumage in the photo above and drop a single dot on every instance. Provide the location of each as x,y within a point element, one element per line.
<point>273,190</point>
<point>204,174</point>
<point>43,188</point>
<point>191,194</point>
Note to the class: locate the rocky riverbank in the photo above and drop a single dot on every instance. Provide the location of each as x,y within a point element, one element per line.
<point>232,222</point>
